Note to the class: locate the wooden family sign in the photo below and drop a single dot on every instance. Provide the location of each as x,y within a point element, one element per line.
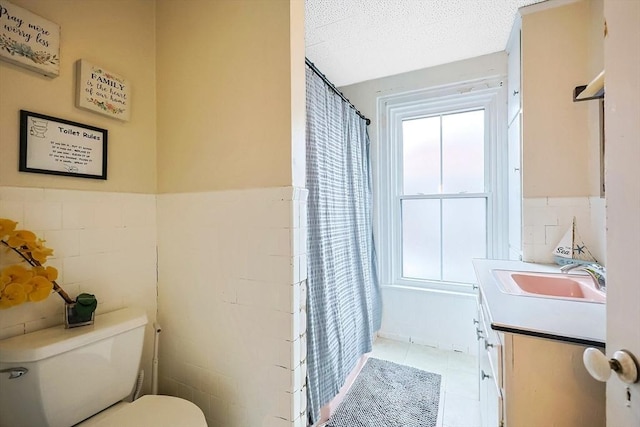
<point>102,91</point>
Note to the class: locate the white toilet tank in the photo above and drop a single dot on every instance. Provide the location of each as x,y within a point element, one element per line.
<point>63,376</point>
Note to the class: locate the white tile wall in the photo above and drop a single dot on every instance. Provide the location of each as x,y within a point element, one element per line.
<point>231,287</point>
<point>104,244</point>
<point>232,274</point>
<point>546,219</point>
<point>415,315</point>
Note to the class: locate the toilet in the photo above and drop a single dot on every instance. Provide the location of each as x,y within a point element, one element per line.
<point>60,377</point>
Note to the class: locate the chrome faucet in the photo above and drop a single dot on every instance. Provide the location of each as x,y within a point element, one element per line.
<point>597,272</point>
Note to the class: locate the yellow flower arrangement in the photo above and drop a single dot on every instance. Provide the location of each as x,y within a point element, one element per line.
<point>19,284</point>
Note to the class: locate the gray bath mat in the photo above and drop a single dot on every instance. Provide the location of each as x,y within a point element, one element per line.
<point>386,394</point>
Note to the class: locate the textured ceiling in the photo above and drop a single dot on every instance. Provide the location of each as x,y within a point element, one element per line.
<point>351,41</point>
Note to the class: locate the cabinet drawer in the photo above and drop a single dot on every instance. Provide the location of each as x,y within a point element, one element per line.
<point>490,344</point>
<point>491,398</point>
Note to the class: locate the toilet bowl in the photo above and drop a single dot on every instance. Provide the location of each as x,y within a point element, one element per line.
<point>149,410</point>
<point>60,377</point>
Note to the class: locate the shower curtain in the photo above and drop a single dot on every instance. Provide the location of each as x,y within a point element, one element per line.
<point>343,300</point>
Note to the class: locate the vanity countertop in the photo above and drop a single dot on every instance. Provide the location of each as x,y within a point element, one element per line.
<point>559,319</point>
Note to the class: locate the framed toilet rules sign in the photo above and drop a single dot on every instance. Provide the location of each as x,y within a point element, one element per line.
<point>102,91</point>
<point>61,147</point>
<point>29,40</point>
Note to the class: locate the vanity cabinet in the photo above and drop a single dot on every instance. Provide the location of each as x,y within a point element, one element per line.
<point>490,373</point>
<point>528,381</point>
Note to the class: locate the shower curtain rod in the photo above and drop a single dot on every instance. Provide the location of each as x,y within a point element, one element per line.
<point>335,89</point>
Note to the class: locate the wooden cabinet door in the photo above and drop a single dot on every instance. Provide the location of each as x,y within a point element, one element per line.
<point>513,78</point>
<point>515,188</point>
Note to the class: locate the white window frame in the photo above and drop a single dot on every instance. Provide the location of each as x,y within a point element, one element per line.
<point>488,94</point>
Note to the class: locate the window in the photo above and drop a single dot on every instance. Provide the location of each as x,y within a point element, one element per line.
<point>438,185</point>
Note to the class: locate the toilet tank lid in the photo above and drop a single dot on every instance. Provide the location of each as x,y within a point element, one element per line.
<point>49,342</point>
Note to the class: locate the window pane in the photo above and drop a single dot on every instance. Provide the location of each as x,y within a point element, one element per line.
<point>421,156</point>
<point>463,152</point>
<point>421,239</point>
<point>464,234</point>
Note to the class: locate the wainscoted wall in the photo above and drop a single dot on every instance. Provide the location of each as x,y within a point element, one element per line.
<point>546,219</point>
<point>104,244</point>
<point>232,277</point>
<point>429,317</point>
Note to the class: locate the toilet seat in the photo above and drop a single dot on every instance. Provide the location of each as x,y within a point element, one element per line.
<point>149,411</point>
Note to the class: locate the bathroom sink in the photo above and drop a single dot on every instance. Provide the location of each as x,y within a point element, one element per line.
<point>576,287</point>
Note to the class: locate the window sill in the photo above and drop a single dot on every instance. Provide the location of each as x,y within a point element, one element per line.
<point>450,288</point>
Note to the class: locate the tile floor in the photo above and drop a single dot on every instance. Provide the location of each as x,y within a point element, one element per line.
<point>459,406</point>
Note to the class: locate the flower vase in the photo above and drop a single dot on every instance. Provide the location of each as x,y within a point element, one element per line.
<point>73,318</point>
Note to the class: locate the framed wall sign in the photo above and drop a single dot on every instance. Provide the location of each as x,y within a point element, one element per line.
<point>102,91</point>
<point>61,147</point>
<point>29,40</point>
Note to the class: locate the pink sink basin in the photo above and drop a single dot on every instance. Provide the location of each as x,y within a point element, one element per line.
<point>575,287</point>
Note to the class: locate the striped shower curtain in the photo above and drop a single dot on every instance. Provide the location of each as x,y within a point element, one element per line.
<point>343,300</point>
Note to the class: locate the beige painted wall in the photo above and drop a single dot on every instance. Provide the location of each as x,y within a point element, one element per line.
<point>298,96</point>
<point>224,94</point>
<point>555,59</point>
<point>121,38</point>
